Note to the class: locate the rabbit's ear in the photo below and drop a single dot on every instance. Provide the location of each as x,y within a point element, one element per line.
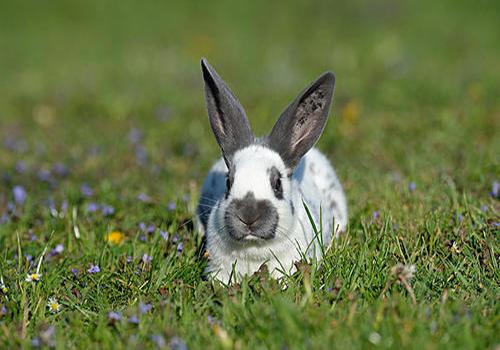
<point>301,124</point>
<point>227,117</point>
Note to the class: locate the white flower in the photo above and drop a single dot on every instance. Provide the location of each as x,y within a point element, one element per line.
<point>37,276</point>
<point>53,305</point>
<point>33,277</point>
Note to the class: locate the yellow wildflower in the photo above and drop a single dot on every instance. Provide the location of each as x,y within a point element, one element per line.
<point>115,238</point>
<point>350,112</point>
<point>224,338</point>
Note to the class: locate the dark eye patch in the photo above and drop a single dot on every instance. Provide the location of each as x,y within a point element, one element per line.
<point>276,185</point>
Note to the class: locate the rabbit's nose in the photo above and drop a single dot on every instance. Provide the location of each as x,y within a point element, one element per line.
<point>247,220</point>
<point>247,210</point>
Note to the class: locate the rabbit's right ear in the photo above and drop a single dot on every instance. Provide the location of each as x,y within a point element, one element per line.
<point>301,124</point>
<point>227,117</point>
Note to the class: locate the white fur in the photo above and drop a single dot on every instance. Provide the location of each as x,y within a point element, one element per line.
<point>313,182</point>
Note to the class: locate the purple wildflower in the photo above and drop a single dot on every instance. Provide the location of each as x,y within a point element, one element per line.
<point>175,239</point>
<point>33,237</point>
<point>133,319</point>
<point>143,197</point>
<point>86,190</point>
<point>92,207</point>
<point>52,207</point>
<point>11,207</point>
<point>144,308</point>
<point>458,217</point>
<point>20,194</point>
<point>16,145</point>
<point>376,214</point>
<point>179,247</point>
<point>57,250</point>
<point>60,169</point>
<point>164,235</point>
<point>64,206</point>
<point>114,316</point>
<point>6,177</point>
<point>29,258</point>
<point>134,136</point>
<point>146,258</point>
<point>44,175</point>
<point>48,336</point>
<point>484,208</point>
<point>93,269</point>
<point>142,238</point>
<point>21,167</point>
<point>129,259</point>
<point>36,342</point>
<point>74,272</point>
<point>141,155</point>
<point>3,310</point>
<point>147,229</point>
<point>212,320</point>
<point>171,206</point>
<point>107,210</point>
<point>495,189</point>
<point>186,197</point>
<point>177,343</point>
<point>159,340</point>
<point>412,186</point>
<point>4,218</point>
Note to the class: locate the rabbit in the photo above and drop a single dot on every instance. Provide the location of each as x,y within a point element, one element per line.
<point>252,208</point>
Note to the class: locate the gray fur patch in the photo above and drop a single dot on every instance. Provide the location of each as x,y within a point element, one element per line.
<point>210,195</point>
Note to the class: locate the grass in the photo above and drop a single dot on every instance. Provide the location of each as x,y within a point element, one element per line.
<point>109,95</point>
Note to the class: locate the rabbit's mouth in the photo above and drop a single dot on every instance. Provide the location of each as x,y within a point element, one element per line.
<point>249,219</point>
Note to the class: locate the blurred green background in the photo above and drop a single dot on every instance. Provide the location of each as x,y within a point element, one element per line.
<point>416,92</point>
<point>112,91</point>
<point>417,83</point>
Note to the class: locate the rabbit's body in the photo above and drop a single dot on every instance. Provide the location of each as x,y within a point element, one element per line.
<point>314,183</point>
<point>252,207</point>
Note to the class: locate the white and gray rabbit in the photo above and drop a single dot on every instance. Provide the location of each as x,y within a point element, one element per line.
<point>252,204</point>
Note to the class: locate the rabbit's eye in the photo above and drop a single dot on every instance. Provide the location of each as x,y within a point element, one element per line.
<point>276,183</point>
<point>277,186</point>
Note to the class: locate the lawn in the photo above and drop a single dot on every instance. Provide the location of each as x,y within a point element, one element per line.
<point>105,143</point>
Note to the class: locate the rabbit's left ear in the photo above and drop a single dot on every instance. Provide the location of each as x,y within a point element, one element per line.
<point>227,117</point>
<point>301,124</point>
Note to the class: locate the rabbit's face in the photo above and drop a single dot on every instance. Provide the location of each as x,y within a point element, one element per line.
<point>257,204</point>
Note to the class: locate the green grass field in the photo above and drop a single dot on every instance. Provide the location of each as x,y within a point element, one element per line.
<point>103,128</point>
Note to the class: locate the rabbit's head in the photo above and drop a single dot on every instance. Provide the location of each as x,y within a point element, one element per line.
<point>259,201</point>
